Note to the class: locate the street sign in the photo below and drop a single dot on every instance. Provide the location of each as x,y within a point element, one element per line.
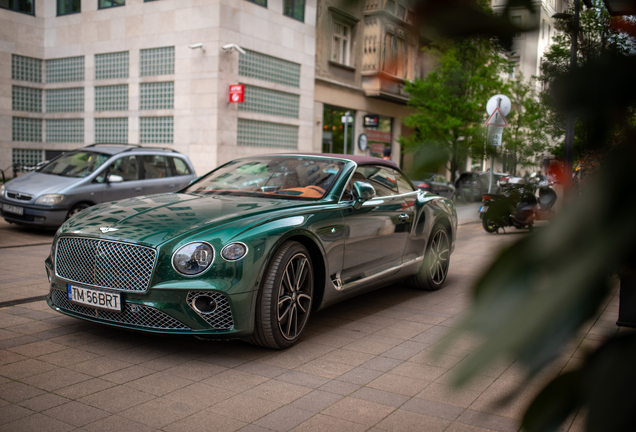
<point>499,101</point>
<point>497,119</point>
<point>346,119</point>
<point>494,135</point>
<point>237,93</point>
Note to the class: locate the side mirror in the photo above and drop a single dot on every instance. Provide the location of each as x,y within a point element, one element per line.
<point>364,192</point>
<point>112,178</point>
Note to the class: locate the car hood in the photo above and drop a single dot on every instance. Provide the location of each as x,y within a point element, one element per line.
<point>36,184</point>
<point>155,219</point>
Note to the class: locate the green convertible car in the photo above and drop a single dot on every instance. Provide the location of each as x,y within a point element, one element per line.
<point>252,248</point>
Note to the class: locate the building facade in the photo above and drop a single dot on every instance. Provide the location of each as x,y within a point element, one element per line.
<point>365,51</point>
<point>156,73</point>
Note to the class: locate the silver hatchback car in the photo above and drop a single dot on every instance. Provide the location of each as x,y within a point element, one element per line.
<point>94,174</point>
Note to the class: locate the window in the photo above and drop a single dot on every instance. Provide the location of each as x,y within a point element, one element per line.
<point>26,68</point>
<point>125,167</point>
<point>156,130</point>
<point>111,130</point>
<point>382,179</point>
<point>65,131</point>
<point>156,61</point>
<point>65,7</point>
<point>65,69</point>
<point>264,134</point>
<point>341,43</point>
<point>111,98</point>
<point>294,9</point>
<point>111,65</point>
<point>25,6</point>
<point>26,99</point>
<point>404,186</point>
<point>156,166</point>
<point>156,96</point>
<point>65,100</point>
<point>26,157</point>
<point>259,2</point>
<point>180,167</point>
<point>26,129</point>
<point>256,65</point>
<point>111,3</point>
<point>273,102</point>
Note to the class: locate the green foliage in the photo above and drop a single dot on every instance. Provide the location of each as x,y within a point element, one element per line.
<point>525,137</point>
<point>450,102</point>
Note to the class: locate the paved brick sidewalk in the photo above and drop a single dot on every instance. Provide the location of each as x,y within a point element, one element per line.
<point>371,363</point>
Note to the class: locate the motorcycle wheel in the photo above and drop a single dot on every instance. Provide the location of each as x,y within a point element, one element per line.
<point>489,225</point>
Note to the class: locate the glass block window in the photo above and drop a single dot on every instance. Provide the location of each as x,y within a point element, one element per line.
<point>156,95</point>
<point>272,69</point>
<point>26,99</point>
<point>157,61</point>
<point>111,130</point>
<point>266,101</point>
<point>26,68</point>
<point>111,98</point>
<point>65,131</point>
<point>65,100</point>
<point>26,129</point>
<point>156,130</point>
<point>264,134</point>
<point>65,69</point>
<point>26,157</point>
<point>111,65</point>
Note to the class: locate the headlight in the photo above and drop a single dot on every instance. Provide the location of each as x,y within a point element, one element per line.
<point>234,251</point>
<point>193,258</point>
<point>50,199</point>
<point>2,190</point>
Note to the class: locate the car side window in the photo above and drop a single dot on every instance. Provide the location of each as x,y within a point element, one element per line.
<point>381,178</point>
<point>156,166</point>
<point>180,167</point>
<point>403,184</point>
<point>126,167</point>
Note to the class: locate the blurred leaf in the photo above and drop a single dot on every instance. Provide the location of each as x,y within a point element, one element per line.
<point>554,404</point>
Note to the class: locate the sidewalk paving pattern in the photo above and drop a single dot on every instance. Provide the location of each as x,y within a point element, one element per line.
<point>374,362</point>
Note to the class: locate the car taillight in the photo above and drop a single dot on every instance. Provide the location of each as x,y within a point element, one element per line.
<point>487,197</point>
<point>423,185</point>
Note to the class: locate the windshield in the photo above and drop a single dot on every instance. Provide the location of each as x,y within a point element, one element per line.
<point>285,177</point>
<point>75,164</point>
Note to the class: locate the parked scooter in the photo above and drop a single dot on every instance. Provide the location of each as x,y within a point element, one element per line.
<point>515,206</point>
<point>547,199</point>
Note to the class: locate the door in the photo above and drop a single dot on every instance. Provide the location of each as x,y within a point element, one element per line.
<point>127,167</point>
<point>158,176</point>
<point>377,232</point>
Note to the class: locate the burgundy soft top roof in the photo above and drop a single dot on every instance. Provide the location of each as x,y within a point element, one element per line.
<point>360,160</point>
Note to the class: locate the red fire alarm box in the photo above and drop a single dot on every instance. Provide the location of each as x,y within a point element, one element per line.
<point>237,92</point>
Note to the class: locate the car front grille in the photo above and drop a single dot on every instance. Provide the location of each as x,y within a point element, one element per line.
<point>104,263</point>
<point>19,196</point>
<point>221,317</point>
<point>131,314</point>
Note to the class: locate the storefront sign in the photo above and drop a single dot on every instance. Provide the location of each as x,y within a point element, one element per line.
<point>377,149</point>
<point>378,136</point>
<point>237,93</point>
<point>371,121</point>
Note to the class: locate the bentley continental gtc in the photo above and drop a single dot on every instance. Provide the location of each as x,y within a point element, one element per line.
<point>251,249</point>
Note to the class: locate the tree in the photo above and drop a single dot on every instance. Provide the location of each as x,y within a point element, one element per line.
<point>526,137</point>
<point>450,101</point>
<point>598,37</point>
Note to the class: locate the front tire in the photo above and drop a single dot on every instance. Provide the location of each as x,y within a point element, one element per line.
<point>76,209</point>
<point>284,302</point>
<point>432,274</point>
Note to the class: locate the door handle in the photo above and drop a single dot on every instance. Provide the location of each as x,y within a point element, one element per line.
<point>138,189</point>
<point>403,217</point>
<point>171,186</point>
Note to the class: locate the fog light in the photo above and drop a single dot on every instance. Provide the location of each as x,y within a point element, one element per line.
<point>39,218</point>
<point>204,304</point>
<point>234,251</point>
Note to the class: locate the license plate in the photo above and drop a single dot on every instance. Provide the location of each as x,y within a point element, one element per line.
<point>483,209</point>
<point>94,298</point>
<point>12,209</point>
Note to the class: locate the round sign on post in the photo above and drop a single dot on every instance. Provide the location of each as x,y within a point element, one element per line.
<point>501,101</point>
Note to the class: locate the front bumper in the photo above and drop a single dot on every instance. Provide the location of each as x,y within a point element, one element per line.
<point>34,215</point>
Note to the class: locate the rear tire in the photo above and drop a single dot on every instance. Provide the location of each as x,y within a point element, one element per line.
<point>434,269</point>
<point>489,225</point>
<point>284,301</point>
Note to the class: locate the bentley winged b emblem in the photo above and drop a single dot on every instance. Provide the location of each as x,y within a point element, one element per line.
<point>108,229</point>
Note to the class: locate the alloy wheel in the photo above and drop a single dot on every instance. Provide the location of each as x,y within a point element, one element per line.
<point>294,296</point>
<point>439,257</point>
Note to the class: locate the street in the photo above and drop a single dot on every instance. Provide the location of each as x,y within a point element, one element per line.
<point>375,362</point>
